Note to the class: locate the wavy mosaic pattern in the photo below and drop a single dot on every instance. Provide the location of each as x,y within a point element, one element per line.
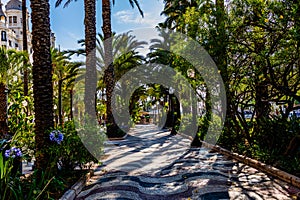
<point>154,165</point>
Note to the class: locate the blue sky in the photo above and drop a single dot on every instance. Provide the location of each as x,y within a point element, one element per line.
<point>67,23</point>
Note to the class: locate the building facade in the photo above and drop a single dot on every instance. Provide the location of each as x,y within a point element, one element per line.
<point>11,27</point>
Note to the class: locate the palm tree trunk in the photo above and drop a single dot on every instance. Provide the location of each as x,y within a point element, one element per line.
<point>112,128</point>
<point>90,42</point>
<point>3,111</point>
<point>42,80</point>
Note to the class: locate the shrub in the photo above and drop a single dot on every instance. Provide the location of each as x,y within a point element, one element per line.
<point>71,151</point>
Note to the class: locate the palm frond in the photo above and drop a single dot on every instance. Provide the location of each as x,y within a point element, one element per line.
<point>59,2</point>
<point>135,2</point>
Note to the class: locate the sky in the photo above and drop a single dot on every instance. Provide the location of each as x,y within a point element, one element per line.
<point>67,23</point>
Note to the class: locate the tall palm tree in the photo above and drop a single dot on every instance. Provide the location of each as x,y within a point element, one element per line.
<point>90,51</point>
<point>42,79</point>
<point>112,128</point>
<point>90,40</point>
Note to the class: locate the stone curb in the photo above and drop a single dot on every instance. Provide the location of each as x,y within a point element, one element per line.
<point>268,169</point>
<point>77,187</point>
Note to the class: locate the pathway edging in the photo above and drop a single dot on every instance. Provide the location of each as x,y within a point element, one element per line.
<point>270,170</point>
<point>77,187</point>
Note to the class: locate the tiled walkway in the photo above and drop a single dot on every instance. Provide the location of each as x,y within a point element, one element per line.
<point>151,164</point>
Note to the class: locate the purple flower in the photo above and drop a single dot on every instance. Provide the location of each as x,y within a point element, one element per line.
<point>56,136</point>
<point>18,152</point>
<point>13,152</point>
<point>52,136</point>
<point>7,153</point>
<point>60,137</point>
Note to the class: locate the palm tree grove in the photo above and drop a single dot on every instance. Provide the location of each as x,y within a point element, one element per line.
<point>160,99</point>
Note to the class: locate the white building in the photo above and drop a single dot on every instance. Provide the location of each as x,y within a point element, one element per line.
<point>11,28</point>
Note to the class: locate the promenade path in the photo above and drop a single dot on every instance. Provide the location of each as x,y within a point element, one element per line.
<point>152,164</point>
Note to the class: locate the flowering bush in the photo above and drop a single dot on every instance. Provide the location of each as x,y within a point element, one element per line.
<point>66,151</point>
<point>56,136</point>
<point>73,153</point>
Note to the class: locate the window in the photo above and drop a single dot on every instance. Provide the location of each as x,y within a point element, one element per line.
<point>9,43</point>
<point>3,36</point>
<point>15,19</point>
<point>16,45</point>
<point>21,20</point>
<point>10,19</point>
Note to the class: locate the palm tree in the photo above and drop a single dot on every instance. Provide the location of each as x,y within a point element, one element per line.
<point>112,128</point>
<point>42,79</point>
<point>124,50</point>
<point>90,40</point>
<point>73,72</point>
<point>64,74</point>
<point>125,56</point>
<point>90,51</point>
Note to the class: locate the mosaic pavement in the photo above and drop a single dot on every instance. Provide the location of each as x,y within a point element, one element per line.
<point>151,164</point>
